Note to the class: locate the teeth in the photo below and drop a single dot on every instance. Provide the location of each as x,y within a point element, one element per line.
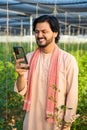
<point>41,39</point>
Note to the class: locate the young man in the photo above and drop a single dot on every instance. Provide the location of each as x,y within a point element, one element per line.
<point>51,82</point>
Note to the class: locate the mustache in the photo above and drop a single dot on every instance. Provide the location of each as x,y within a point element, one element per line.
<point>40,38</point>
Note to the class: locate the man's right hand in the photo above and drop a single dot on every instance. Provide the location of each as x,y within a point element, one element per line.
<point>20,69</point>
<point>19,66</point>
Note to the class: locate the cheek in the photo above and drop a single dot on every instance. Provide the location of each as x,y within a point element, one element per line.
<point>50,35</point>
<point>36,36</point>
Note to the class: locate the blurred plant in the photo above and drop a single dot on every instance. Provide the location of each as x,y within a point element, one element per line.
<point>58,110</point>
<point>10,101</point>
<point>12,124</point>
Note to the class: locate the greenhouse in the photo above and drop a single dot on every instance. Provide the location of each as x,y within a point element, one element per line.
<point>16,29</point>
<point>16,17</point>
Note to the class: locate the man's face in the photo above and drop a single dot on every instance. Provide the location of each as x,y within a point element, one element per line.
<point>43,34</point>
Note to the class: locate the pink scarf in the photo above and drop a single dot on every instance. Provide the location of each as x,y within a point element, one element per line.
<point>53,77</point>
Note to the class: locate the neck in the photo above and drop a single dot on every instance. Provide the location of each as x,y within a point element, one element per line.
<point>48,49</point>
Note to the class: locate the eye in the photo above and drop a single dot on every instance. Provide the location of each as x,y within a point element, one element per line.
<point>44,31</point>
<point>36,32</point>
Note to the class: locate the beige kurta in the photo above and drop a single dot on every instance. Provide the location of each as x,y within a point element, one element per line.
<point>68,91</point>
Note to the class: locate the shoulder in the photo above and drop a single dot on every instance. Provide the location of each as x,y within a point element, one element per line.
<point>68,61</point>
<point>29,55</point>
<point>67,57</point>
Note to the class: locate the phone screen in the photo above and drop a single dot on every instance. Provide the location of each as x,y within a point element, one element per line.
<point>19,51</point>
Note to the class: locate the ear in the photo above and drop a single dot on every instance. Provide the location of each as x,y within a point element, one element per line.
<point>55,34</point>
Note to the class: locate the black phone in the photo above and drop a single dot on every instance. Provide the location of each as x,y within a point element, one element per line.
<point>19,51</point>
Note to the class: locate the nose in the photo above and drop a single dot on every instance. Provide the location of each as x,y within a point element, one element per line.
<point>40,34</point>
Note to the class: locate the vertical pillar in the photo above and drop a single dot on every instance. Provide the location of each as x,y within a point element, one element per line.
<point>79,25</point>
<point>69,29</point>
<point>7,20</point>
<point>31,32</point>
<point>65,23</point>
<point>21,31</point>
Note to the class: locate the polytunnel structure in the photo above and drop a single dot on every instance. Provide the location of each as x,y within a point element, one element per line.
<point>18,14</point>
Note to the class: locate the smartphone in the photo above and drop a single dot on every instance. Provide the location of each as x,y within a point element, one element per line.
<point>19,52</point>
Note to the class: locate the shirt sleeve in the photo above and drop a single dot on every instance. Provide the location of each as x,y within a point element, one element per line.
<point>22,92</point>
<point>71,90</point>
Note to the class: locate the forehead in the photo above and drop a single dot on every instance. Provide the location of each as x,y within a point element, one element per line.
<point>42,26</point>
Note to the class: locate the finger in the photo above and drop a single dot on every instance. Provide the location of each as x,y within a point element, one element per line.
<point>21,70</point>
<point>16,66</point>
<point>24,66</point>
<point>21,66</point>
<point>19,61</point>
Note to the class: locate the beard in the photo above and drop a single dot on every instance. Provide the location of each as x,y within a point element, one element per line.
<point>49,41</point>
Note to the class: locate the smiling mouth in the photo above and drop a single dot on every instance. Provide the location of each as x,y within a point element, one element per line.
<point>41,39</point>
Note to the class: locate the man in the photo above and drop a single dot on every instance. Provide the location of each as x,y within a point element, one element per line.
<point>51,82</point>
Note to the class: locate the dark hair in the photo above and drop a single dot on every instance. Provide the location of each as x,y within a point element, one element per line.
<point>53,22</point>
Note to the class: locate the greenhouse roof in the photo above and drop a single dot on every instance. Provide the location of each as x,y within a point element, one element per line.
<point>18,12</point>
